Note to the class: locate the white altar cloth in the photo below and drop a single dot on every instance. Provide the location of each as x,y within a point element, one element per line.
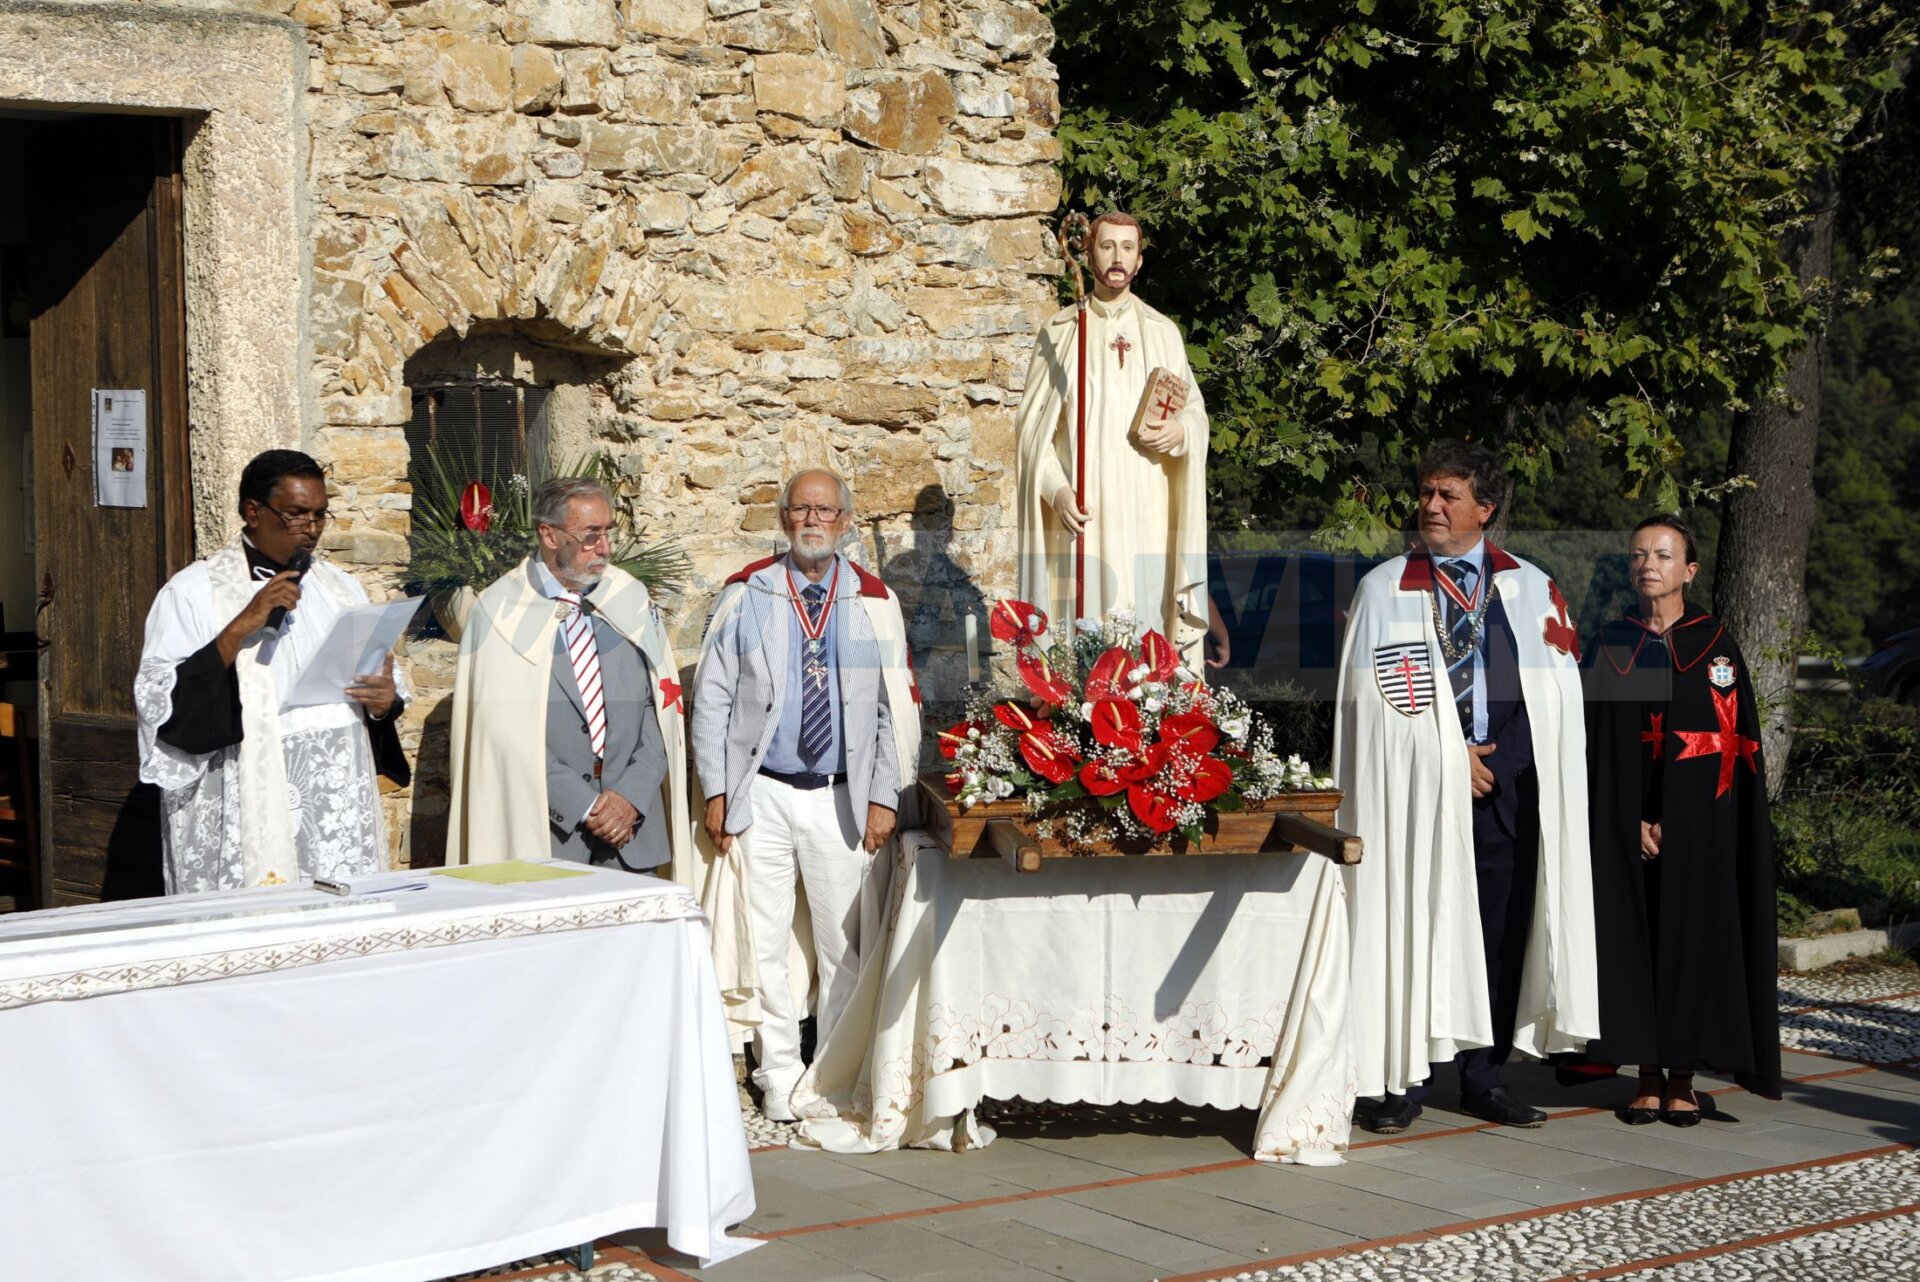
<point>1218,980</point>
<point>480,1074</point>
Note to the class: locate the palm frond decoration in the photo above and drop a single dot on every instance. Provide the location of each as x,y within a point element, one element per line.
<point>448,554</point>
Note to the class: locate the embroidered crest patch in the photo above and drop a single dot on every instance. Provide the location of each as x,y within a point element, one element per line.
<point>1405,674</point>
<point>1720,671</point>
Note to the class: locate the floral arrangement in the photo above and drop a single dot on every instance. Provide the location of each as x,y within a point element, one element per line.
<point>1119,743</point>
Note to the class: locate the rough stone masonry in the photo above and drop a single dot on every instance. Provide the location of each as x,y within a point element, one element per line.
<point>765,233</point>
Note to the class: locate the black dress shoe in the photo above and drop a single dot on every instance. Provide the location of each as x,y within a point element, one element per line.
<point>1639,1116</point>
<point>1499,1105</point>
<point>1390,1116</point>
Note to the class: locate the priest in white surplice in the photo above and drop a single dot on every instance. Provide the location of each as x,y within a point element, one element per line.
<point>253,793</point>
<point>1144,521</point>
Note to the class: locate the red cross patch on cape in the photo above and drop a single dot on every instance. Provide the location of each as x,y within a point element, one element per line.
<point>670,694</point>
<point>1726,742</point>
<point>1559,632</point>
<point>1405,674</point>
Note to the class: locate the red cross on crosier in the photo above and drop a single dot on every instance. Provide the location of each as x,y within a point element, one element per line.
<point>670,691</point>
<point>1654,734</point>
<point>1727,741</point>
<point>1122,346</point>
<point>1409,670</point>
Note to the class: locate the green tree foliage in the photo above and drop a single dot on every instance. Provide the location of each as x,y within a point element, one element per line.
<point>1863,568</point>
<point>1382,222</point>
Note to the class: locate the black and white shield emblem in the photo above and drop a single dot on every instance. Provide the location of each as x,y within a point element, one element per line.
<point>1405,674</point>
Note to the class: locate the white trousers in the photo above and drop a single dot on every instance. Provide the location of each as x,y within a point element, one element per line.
<point>810,832</point>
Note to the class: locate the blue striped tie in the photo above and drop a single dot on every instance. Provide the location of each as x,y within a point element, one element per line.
<point>816,714</point>
<point>1460,632</point>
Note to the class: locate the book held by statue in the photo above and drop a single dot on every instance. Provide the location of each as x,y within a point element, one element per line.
<point>1163,396</point>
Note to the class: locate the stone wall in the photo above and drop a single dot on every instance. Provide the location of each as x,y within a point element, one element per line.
<point>794,231</point>
<point>741,236</point>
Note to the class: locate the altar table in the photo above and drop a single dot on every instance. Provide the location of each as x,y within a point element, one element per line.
<point>474,1075</point>
<point>1218,981</point>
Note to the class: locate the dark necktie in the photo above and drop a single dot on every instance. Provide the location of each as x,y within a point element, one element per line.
<point>816,715</point>
<point>1460,635</point>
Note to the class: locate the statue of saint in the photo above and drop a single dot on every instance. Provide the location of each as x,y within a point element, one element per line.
<point>1142,517</point>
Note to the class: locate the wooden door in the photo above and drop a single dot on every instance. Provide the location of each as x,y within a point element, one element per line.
<point>109,312</point>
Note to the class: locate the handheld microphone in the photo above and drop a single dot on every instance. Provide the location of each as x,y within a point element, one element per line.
<point>300,562</point>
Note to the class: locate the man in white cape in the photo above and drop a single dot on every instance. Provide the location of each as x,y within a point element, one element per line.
<point>506,710</point>
<point>1462,756</point>
<point>1144,520</point>
<point>252,792</point>
<point>827,826</point>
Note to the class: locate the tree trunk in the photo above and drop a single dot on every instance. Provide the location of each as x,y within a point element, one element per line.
<point>1760,588</point>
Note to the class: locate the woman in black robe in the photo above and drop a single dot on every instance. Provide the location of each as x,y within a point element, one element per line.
<point>1683,882</point>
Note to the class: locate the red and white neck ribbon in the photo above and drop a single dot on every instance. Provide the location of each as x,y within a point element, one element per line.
<point>808,628</point>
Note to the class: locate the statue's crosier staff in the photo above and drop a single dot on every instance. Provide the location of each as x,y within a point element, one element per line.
<point>1075,231</point>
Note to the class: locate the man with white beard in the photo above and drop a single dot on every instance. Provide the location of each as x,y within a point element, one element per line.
<point>806,733</point>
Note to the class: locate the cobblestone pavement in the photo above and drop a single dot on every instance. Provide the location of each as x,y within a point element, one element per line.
<point>1824,1185</point>
<point>1612,1239</point>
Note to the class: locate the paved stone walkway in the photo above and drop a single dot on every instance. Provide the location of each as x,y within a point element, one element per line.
<point>1822,1184</point>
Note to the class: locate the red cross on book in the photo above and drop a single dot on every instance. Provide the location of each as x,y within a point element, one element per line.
<point>1164,396</point>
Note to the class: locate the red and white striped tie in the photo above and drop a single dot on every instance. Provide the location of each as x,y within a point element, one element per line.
<point>586,670</point>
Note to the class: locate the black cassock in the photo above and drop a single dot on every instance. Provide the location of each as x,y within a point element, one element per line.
<point>1687,941</point>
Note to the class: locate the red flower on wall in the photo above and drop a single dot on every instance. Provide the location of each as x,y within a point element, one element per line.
<point>476,507</point>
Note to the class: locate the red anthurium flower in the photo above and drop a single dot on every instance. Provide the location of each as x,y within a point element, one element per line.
<point>954,736</point>
<point>1116,724</point>
<point>1014,717</point>
<point>1107,678</point>
<point>1147,762</point>
<point>1016,622</point>
<point>1051,757</point>
<point>1211,777</point>
<point>1102,778</point>
<point>476,507</point>
<point>1047,685</point>
<point>1193,731</point>
<point>1159,655</point>
<point>1151,807</point>
<point>954,784</point>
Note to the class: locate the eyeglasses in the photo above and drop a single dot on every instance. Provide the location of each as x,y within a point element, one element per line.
<point>302,520</point>
<point>801,511</point>
<point>587,540</point>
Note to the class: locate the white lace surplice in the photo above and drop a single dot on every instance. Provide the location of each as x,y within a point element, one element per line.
<point>223,824</point>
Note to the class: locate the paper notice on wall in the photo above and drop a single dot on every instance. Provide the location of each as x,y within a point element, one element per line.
<point>119,447</point>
